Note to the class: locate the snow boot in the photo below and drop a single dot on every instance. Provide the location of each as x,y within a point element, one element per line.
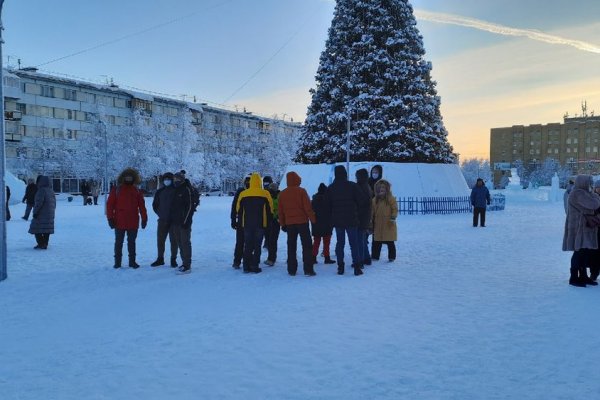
<point>357,269</point>
<point>574,279</point>
<point>117,262</point>
<point>340,268</point>
<point>185,269</point>
<point>174,263</point>
<point>158,262</point>
<point>133,264</point>
<point>328,260</point>
<point>270,263</point>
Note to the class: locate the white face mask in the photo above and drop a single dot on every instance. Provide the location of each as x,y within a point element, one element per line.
<point>375,175</point>
<point>167,182</point>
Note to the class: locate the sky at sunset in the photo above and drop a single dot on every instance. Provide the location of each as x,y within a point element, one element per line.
<point>497,63</point>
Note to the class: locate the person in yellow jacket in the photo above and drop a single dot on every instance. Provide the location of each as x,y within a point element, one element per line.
<point>254,214</point>
<point>385,211</point>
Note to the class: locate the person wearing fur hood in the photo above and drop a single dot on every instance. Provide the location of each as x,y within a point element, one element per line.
<point>124,207</point>
<point>578,237</point>
<point>385,211</point>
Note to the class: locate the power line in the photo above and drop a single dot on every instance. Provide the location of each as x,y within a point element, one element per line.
<point>304,23</point>
<point>113,41</point>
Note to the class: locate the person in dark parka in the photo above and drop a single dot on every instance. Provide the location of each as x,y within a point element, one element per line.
<point>344,199</point>
<point>182,211</point>
<point>124,207</point>
<point>29,198</point>
<point>480,198</point>
<point>375,175</point>
<point>323,228</point>
<point>161,204</point>
<point>85,191</point>
<point>364,216</point>
<point>238,251</point>
<point>42,223</point>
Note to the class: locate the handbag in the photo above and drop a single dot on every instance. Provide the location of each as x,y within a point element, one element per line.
<point>592,221</point>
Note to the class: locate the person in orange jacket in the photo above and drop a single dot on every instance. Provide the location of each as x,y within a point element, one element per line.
<point>124,206</point>
<point>295,212</point>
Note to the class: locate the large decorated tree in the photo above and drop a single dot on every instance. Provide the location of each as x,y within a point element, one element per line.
<point>373,70</point>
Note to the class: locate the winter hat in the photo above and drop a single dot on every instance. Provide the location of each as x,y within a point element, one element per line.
<point>273,186</point>
<point>167,175</point>
<point>179,176</point>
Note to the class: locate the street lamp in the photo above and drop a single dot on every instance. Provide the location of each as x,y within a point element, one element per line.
<point>348,142</point>
<point>3,273</point>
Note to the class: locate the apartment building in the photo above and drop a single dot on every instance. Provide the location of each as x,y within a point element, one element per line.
<point>45,109</point>
<point>574,143</point>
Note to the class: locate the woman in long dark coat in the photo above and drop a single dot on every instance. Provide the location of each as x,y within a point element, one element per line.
<point>323,228</point>
<point>42,224</point>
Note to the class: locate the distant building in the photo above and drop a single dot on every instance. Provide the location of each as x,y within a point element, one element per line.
<point>575,143</point>
<point>41,108</point>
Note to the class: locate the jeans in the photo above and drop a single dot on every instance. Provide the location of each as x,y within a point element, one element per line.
<point>252,247</point>
<point>28,209</point>
<point>363,247</point>
<point>119,238</point>
<point>340,235</point>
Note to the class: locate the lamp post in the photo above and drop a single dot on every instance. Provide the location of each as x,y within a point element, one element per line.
<point>106,184</point>
<point>3,273</point>
<point>348,142</point>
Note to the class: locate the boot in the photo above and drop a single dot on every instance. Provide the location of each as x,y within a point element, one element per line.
<point>328,260</point>
<point>117,262</point>
<point>341,268</point>
<point>174,263</point>
<point>357,269</point>
<point>133,264</point>
<point>583,277</point>
<point>159,261</point>
<point>574,279</point>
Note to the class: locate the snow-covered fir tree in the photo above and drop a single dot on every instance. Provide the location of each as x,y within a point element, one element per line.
<point>373,70</point>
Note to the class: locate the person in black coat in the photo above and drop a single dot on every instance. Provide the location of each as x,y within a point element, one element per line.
<point>238,252</point>
<point>480,198</point>
<point>364,215</point>
<point>323,228</point>
<point>29,198</point>
<point>182,211</point>
<point>162,206</point>
<point>344,199</point>
<point>85,191</point>
<point>375,175</point>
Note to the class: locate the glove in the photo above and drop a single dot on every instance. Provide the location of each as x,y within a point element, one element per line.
<point>233,225</point>
<point>144,223</point>
<point>111,223</point>
<point>284,228</point>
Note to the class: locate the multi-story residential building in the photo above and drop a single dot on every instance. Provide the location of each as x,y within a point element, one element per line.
<point>575,143</point>
<point>44,112</point>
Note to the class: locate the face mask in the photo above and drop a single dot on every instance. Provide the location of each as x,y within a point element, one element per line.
<point>167,182</point>
<point>375,175</point>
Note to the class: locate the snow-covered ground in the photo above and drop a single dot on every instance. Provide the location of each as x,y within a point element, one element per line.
<point>463,313</point>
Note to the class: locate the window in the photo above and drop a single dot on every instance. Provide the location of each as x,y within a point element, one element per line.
<point>32,88</point>
<point>10,81</point>
<point>70,94</point>
<point>121,103</point>
<point>47,91</point>
<point>70,134</point>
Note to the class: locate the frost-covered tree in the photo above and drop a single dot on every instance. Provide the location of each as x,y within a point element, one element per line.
<point>474,168</point>
<point>373,70</point>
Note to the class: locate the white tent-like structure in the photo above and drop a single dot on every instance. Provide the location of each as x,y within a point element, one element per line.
<point>408,179</point>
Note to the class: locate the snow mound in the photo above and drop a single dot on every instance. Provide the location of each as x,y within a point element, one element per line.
<point>17,188</point>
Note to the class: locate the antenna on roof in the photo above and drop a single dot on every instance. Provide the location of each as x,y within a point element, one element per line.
<point>584,108</point>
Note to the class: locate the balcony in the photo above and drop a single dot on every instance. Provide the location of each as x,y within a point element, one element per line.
<point>13,115</point>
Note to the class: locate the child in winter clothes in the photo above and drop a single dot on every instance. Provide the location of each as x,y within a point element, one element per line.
<point>385,211</point>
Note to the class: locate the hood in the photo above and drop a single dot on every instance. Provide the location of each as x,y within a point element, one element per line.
<point>255,181</point>
<point>340,173</point>
<point>293,179</point>
<point>137,179</point>
<point>362,176</point>
<point>376,167</point>
<point>583,182</point>
<point>383,182</point>
<point>322,189</point>
<point>43,181</point>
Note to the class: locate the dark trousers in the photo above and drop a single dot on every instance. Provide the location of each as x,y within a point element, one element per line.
<point>363,246</point>
<point>581,259</point>
<point>238,252</point>
<point>95,200</point>
<point>272,239</point>
<point>477,212</point>
<point>253,238</point>
<point>42,239</point>
<point>119,238</point>
<point>376,250</point>
<point>340,235</point>
<point>85,199</point>
<point>163,230</point>
<point>594,263</point>
<point>183,239</point>
<point>7,212</point>
<point>293,231</point>
<point>317,243</point>
<point>28,209</point>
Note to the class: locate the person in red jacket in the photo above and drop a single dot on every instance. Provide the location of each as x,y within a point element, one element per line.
<point>124,207</point>
<point>295,211</point>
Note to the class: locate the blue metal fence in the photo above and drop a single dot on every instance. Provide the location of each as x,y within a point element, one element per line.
<point>445,205</point>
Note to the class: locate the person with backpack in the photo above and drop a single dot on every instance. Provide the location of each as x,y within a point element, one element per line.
<point>322,229</point>
<point>295,212</point>
<point>124,207</point>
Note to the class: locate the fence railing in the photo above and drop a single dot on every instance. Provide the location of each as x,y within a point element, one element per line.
<point>445,205</point>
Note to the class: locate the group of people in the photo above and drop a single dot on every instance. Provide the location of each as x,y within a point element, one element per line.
<point>90,193</point>
<point>354,210</point>
<point>174,204</point>
<point>581,234</point>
